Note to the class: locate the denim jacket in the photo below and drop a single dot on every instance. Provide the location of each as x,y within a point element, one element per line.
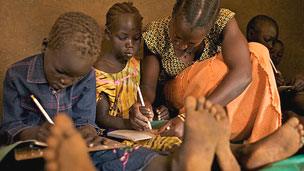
<point>27,77</point>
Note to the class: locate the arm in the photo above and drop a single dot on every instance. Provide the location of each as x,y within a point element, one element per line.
<point>149,75</point>
<point>13,127</point>
<point>236,57</point>
<point>103,119</point>
<point>84,109</point>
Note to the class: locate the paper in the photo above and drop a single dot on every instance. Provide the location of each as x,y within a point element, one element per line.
<point>132,135</point>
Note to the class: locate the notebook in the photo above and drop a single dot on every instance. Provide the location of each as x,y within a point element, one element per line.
<point>31,149</point>
<point>132,135</point>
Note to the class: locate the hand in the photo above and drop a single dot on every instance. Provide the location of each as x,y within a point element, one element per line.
<point>90,135</point>
<point>40,133</point>
<point>140,116</point>
<point>174,127</point>
<point>298,84</point>
<point>162,113</point>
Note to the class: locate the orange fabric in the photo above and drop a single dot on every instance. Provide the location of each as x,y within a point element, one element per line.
<point>254,114</point>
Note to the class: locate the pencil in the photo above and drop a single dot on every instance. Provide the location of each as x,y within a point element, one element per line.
<point>274,68</point>
<point>142,103</point>
<point>42,110</point>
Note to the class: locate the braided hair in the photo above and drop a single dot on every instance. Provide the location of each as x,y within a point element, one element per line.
<point>198,13</point>
<point>121,8</point>
<point>79,29</point>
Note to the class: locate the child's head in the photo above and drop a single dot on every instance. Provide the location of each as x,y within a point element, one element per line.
<point>73,46</point>
<point>191,22</point>
<point>123,30</point>
<point>263,29</point>
<point>277,52</point>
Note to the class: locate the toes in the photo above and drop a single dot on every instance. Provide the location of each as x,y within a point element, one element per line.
<point>201,103</point>
<point>213,110</point>
<point>51,166</point>
<point>65,125</point>
<point>208,105</point>
<point>63,121</point>
<point>53,142</point>
<point>220,111</point>
<point>190,103</point>
<point>49,154</point>
<point>293,121</point>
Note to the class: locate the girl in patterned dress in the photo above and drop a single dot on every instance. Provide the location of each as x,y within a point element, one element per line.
<point>118,76</point>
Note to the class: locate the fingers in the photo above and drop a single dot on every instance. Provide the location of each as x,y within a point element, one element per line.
<point>165,127</point>
<point>299,85</point>
<point>137,119</point>
<point>147,112</point>
<point>94,140</point>
<point>44,132</point>
<point>89,133</point>
<point>163,113</point>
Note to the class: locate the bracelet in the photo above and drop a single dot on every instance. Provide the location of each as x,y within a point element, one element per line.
<point>182,117</point>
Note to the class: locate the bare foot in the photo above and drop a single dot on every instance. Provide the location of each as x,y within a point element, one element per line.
<point>225,158</point>
<point>66,148</point>
<point>283,143</point>
<point>200,138</point>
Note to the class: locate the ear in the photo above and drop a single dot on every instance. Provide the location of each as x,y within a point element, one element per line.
<point>107,33</point>
<point>251,35</point>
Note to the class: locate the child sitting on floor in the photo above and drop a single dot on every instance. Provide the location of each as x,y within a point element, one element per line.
<point>63,81</point>
<point>118,75</point>
<point>61,78</point>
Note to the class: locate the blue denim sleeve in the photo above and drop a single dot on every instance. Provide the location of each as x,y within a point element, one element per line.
<point>12,122</point>
<point>84,110</point>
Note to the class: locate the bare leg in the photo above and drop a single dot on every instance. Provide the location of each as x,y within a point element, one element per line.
<point>201,135</point>
<point>67,150</point>
<point>283,143</point>
<point>225,158</point>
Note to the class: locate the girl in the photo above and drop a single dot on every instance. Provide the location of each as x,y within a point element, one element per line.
<point>118,75</point>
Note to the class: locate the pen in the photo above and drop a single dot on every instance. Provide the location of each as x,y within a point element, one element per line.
<point>142,103</point>
<point>42,110</point>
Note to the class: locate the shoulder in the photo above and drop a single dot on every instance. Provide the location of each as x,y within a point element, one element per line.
<point>156,26</point>
<point>21,67</point>
<point>224,16</point>
<point>155,34</point>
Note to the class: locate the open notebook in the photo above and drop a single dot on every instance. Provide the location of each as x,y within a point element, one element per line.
<point>132,135</point>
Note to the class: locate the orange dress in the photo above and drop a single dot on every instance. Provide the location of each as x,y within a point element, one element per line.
<point>254,114</point>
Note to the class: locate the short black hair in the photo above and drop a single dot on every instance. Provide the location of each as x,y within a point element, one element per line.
<point>87,40</point>
<point>254,22</point>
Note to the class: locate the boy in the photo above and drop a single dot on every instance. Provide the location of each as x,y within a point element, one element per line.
<point>61,79</point>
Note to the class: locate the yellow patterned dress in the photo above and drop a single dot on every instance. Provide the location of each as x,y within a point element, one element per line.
<point>121,90</point>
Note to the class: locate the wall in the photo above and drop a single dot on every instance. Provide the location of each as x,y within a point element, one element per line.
<point>24,23</point>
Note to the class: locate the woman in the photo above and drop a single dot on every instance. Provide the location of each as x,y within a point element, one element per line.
<point>200,51</point>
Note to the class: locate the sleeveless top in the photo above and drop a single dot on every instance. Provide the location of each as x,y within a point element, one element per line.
<point>120,88</point>
<point>157,40</point>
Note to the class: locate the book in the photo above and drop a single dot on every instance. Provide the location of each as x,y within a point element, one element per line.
<point>32,149</point>
<point>132,135</point>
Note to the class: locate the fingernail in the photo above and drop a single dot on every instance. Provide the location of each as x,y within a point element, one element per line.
<point>91,145</point>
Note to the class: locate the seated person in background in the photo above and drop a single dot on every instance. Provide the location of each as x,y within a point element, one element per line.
<point>291,91</point>
<point>265,30</point>
<point>118,76</point>
<point>262,29</point>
